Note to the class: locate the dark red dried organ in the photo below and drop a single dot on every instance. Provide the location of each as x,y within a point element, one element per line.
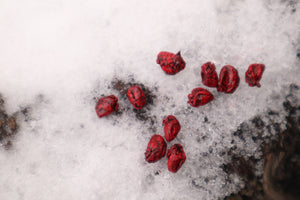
<point>172,127</point>
<point>199,97</point>
<point>228,80</point>
<point>156,149</point>
<point>254,74</point>
<point>136,97</point>
<point>106,105</point>
<point>209,75</point>
<point>170,63</point>
<point>176,158</point>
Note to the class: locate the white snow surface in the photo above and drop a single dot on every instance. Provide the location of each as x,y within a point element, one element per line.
<point>57,56</point>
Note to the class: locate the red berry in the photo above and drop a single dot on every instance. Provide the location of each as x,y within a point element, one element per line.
<point>228,80</point>
<point>176,157</point>
<point>209,74</point>
<point>106,105</point>
<point>254,74</point>
<point>136,97</point>
<point>172,127</point>
<point>199,97</point>
<point>156,149</point>
<point>170,63</point>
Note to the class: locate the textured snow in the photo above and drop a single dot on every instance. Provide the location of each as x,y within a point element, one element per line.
<point>58,56</point>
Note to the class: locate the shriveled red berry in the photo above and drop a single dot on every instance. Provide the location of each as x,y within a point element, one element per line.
<point>176,157</point>
<point>254,74</point>
<point>106,105</point>
<point>199,97</point>
<point>156,149</point>
<point>228,80</point>
<point>136,97</point>
<point>172,127</point>
<point>170,63</point>
<point>209,75</point>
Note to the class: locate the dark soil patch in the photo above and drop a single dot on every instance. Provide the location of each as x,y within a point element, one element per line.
<point>8,126</point>
<point>281,156</point>
<point>142,115</point>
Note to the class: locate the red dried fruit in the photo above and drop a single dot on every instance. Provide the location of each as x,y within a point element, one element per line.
<point>176,157</point>
<point>136,97</point>
<point>172,127</point>
<point>106,105</point>
<point>156,149</point>
<point>170,63</point>
<point>209,74</point>
<point>254,74</point>
<point>228,80</point>
<point>199,97</point>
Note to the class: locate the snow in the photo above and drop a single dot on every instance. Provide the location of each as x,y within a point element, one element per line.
<point>57,56</point>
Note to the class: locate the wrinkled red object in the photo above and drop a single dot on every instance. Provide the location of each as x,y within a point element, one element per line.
<point>106,105</point>
<point>170,63</point>
<point>254,74</point>
<point>172,127</point>
<point>228,80</point>
<point>209,75</point>
<point>176,157</point>
<point>156,149</point>
<point>199,97</point>
<point>136,97</point>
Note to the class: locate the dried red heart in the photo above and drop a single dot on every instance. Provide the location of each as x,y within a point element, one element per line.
<point>170,63</point>
<point>172,127</point>
<point>106,105</point>
<point>209,74</point>
<point>228,80</point>
<point>199,97</point>
<point>254,74</point>
<point>156,149</point>
<point>136,97</point>
<point>176,157</point>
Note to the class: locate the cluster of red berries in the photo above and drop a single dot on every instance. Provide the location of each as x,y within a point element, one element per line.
<point>106,105</point>
<point>171,64</point>
<point>157,146</point>
<point>227,82</point>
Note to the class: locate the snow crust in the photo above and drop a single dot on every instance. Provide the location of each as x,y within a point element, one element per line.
<point>58,56</point>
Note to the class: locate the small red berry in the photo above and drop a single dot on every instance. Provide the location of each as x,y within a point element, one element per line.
<point>136,97</point>
<point>199,97</point>
<point>156,149</point>
<point>254,74</point>
<point>176,157</point>
<point>172,127</point>
<point>209,74</point>
<point>170,63</point>
<point>228,80</point>
<point>106,105</point>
